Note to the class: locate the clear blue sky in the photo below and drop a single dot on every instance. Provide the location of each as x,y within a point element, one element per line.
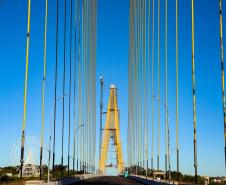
<point>112,62</point>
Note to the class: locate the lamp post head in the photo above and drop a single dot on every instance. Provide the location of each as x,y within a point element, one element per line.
<point>101,80</point>
<point>112,86</point>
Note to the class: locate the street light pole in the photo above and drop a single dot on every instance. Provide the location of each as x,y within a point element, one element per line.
<point>167,131</point>
<point>169,153</point>
<point>101,112</point>
<point>50,133</point>
<point>76,130</point>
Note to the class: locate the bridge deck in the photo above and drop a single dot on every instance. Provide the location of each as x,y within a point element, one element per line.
<point>107,180</point>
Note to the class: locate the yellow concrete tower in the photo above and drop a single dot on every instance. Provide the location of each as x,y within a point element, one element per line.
<point>111,131</point>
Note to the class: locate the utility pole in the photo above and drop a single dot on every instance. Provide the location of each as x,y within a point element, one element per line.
<point>101,112</point>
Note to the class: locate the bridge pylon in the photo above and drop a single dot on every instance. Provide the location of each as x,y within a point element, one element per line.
<point>111,131</point>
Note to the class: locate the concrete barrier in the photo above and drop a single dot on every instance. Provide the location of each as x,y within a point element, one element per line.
<point>34,182</point>
<point>85,176</point>
<point>143,180</point>
<point>68,181</point>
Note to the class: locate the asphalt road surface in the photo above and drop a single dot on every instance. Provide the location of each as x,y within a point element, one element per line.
<point>107,180</point>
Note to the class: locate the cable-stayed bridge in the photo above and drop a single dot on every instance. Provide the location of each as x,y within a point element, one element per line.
<point>75,98</point>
